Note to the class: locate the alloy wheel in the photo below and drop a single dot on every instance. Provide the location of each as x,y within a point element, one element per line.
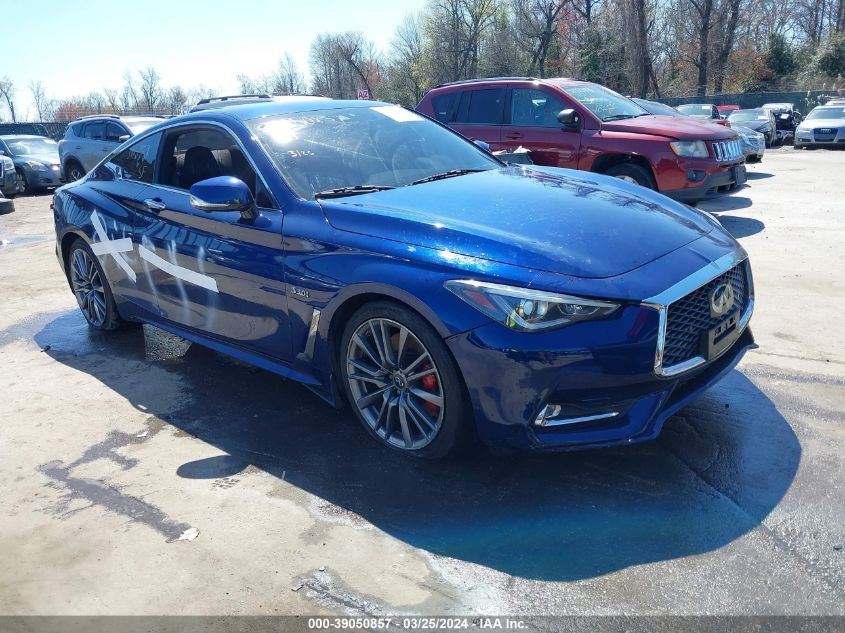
<point>88,287</point>
<point>75,173</point>
<point>395,384</point>
<point>20,183</point>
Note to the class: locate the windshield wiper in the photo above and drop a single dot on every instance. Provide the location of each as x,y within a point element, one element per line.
<point>617,117</point>
<point>446,174</point>
<point>340,192</point>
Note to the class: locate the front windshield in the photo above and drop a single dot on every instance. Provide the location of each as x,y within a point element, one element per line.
<point>139,126</point>
<point>826,113</point>
<point>656,108</point>
<point>30,146</point>
<point>696,110</point>
<point>380,146</point>
<point>749,116</point>
<point>605,104</point>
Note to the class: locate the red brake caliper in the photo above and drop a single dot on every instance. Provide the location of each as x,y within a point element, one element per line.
<point>429,383</point>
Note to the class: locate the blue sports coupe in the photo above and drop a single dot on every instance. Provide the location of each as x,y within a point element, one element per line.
<point>385,261</point>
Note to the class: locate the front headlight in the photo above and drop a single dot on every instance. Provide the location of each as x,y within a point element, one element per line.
<point>696,149</point>
<point>36,166</point>
<point>528,310</point>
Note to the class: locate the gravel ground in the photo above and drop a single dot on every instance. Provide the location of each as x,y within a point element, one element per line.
<point>145,475</point>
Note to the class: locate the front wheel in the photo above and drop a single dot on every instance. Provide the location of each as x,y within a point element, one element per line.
<point>633,173</point>
<point>401,381</point>
<point>91,288</point>
<point>74,171</point>
<point>22,185</point>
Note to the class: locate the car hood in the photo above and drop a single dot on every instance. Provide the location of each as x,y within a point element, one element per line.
<point>46,159</point>
<point>556,220</point>
<point>677,127</point>
<point>754,124</point>
<point>814,123</point>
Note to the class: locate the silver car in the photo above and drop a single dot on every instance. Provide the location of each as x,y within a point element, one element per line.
<point>88,140</point>
<point>753,143</point>
<point>824,126</point>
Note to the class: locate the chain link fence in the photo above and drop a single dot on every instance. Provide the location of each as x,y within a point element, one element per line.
<point>51,129</point>
<point>804,100</point>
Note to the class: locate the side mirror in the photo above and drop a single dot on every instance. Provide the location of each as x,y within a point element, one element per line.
<point>123,138</point>
<point>483,145</point>
<point>568,118</point>
<point>223,193</point>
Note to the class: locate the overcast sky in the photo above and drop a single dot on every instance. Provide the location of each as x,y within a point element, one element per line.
<point>77,47</point>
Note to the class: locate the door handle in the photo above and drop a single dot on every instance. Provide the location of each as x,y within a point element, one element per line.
<point>513,135</point>
<point>154,204</point>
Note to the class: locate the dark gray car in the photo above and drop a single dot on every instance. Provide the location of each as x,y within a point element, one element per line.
<point>36,160</point>
<point>88,140</point>
<point>759,120</point>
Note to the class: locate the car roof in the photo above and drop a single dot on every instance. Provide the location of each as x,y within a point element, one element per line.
<point>289,105</point>
<point>561,82</point>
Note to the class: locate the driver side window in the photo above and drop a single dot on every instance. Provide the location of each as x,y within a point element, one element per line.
<point>534,108</point>
<point>194,154</point>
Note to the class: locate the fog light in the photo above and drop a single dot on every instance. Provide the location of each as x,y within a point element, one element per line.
<point>547,413</point>
<point>695,175</point>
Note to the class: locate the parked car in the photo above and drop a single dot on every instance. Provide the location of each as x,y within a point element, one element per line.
<point>725,110</point>
<point>36,161</point>
<point>230,100</point>
<point>787,118</point>
<point>753,143</point>
<point>704,112</point>
<point>824,126</point>
<point>8,183</point>
<point>90,138</point>
<point>758,119</point>
<point>582,125</point>
<point>418,278</point>
<point>836,101</point>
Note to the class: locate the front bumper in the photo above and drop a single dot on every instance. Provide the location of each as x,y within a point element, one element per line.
<point>814,137</point>
<point>46,179</point>
<point>606,375</point>
<point>726,180</point>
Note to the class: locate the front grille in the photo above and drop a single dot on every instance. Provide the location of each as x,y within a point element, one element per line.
<point>688,318</point>
<point>727,150</point>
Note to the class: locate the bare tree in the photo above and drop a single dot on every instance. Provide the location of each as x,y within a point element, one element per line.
<point>536,25</point>
<point>454,31</point>
<point>404,76</point>
<point>289,78</point>
<point>44,107</point>
<point>150,89</point>
<point>7,92</point>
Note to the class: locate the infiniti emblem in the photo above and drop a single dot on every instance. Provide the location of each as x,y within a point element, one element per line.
<point>721,299</point>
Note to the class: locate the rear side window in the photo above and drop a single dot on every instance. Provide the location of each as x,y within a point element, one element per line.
<point>482,106</point>
<point>76,130</point>
<point>94,131</point>
<point>442,106</point>
<point>138,161</point>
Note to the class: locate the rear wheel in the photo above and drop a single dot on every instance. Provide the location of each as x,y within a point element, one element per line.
<point>91,288</point>
<point>631,172</point>
<point>401,381</point>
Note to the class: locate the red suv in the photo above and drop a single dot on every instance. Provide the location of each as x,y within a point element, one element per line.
<point>581,125</point>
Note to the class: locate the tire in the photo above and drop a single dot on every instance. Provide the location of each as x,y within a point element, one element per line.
<point>6,205</point>
<point>420,413</point>
<point>631,172</point>
<point>22,185</point>
<point>91,288</point>
<point>73,170</point>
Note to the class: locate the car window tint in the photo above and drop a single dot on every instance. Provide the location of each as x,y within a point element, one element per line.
<point>485,106</point>
<point>94,131</point>
<point>534,108</point>
<point>196,154</point>
<point>137,162</point>
<point>442,105</point>
<point>114,132</point>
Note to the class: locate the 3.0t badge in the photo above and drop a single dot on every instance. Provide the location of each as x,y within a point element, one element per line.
<point>721,300</point>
